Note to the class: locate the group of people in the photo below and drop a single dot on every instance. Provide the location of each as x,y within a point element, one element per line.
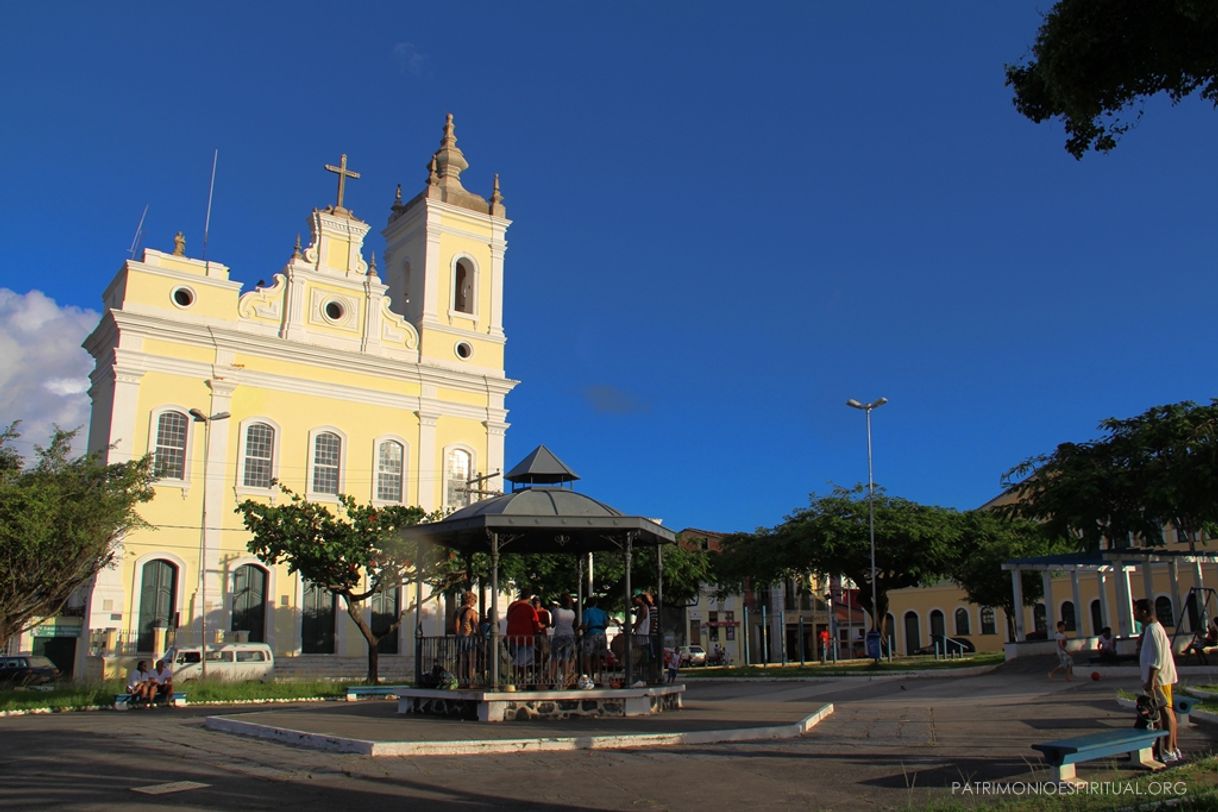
<point>148,686</point>
<point>542,642</point>
<point>1155,660</point>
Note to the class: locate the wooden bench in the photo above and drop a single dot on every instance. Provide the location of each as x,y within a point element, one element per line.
<point>1183,706</point>
<point>122,702</point>
<point>355,692</point>
<point>1064,754</point>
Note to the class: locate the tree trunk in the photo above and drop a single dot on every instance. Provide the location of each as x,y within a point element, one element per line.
<point>353,611</point>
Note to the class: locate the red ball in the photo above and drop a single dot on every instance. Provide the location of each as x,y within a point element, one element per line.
<point>1095,675</point>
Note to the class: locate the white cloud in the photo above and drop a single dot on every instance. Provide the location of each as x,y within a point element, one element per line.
<point>44,372</point>
<point>409,58</point>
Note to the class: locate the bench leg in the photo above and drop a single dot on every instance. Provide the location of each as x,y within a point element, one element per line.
<point>1146,758</point>
<point>1064,774</point>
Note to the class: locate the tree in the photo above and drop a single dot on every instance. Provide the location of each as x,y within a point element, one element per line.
<point>988,539</point>
<point>913,544</point>
<point>61,521</point>
<point>551,574</point>
<point>1093,59</point>
<point>337,550</point>
<point>1143,474</point>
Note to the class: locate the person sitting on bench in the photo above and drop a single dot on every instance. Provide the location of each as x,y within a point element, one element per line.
<point>1203,640</point>
<point>1106,647</point>
<point>164,681</point>
<point>141,683</point>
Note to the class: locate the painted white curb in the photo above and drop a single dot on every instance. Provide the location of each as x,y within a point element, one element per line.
<point>339,744</point>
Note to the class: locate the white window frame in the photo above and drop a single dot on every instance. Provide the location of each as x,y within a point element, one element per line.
<point>154,435</point>
<point>315,496</point>
<point>473,467</point>
<point>376,469</point>
<point>249,490</point>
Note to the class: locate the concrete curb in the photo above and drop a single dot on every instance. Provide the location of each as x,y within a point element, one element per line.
<point>971,671</point>
<point>217,704</point>
<point>339,744</point>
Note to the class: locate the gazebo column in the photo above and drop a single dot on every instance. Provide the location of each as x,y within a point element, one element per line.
<point>1101,580</point>
<point>658,651</point>
<point>1124,602</point>
<point>1078,604</point>
<point>627,555</point>
<point>494,652</point>
<point>418,620</point>
<point>1046,580</point>
<point>1177,605</point>
<point>1017,602</point>
<point>1148,581</point>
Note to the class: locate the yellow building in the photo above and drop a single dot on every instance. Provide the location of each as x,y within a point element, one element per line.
<point>385,383</point>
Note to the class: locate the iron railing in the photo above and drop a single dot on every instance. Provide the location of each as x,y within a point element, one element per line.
<point>536,662</point>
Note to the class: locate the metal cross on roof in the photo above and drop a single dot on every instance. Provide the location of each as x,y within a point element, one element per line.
<point>343,173</point>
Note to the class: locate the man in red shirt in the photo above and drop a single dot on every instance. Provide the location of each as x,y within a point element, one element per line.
<point>522,627</point>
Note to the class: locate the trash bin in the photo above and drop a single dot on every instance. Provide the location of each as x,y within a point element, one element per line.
<point>873,645</point>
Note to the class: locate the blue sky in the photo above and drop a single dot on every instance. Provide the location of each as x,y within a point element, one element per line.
<point>728,219</point>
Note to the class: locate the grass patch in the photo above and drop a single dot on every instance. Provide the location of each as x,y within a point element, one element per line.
<point>854,669</point>
<point>84,695</point>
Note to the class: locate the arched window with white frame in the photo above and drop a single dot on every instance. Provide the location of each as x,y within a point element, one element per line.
<point>464,285</point>
<point>169,455</point>
<point>390,470</point>
<point>963,626</point>
<point>258,455</point>
<point>326,463</point>
<point>458,468</point>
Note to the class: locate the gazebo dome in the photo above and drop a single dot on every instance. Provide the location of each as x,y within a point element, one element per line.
<point>539,501</point>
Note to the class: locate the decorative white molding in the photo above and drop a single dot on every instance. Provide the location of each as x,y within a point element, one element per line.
<point>264,303</point>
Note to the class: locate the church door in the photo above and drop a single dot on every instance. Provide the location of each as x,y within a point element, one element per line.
<point>158,591</point>
<point>249,602</point>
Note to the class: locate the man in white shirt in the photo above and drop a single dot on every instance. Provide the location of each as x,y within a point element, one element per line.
<point>1158,671</point>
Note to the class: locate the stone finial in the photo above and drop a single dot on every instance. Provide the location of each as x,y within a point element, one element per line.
<point>433,178</point>
<point>372,266</point>
<point>296,252</point>
<point>450,161</point>
<point>179,244</point>
<point>497,208</point>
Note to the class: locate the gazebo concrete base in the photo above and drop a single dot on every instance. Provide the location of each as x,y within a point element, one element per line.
<point>511,706</point>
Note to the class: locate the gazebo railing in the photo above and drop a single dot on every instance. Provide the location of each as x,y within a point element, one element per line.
<point>534,662</point>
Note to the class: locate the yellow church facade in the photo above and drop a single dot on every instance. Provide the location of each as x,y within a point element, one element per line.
<point>386,383</point>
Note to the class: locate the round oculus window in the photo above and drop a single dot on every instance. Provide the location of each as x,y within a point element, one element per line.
<point>334,311</point>
<point>183,297</point>
<point>464,350</point>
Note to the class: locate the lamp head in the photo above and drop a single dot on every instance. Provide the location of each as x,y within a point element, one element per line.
<point>880,401</point>
<point>855,404</point>
<point>198,415</point>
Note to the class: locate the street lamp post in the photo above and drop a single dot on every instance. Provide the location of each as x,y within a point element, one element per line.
<point>206,420</point>
<point>867,408</point>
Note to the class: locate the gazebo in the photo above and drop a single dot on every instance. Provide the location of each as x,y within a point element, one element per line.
<point>542,514</point>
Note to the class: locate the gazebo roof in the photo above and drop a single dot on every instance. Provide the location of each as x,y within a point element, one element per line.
<point>541,519</point>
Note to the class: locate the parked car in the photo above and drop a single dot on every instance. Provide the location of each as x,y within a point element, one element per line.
<point>693,655</point>
<point>235,662</point>
<point>27,669</point>
<point>947,645</point>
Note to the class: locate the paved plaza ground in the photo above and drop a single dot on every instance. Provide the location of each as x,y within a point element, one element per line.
<point>892,743</point>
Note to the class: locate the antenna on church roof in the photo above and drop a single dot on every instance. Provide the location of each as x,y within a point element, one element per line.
<point>139,230</point>
<point>210,191</point>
